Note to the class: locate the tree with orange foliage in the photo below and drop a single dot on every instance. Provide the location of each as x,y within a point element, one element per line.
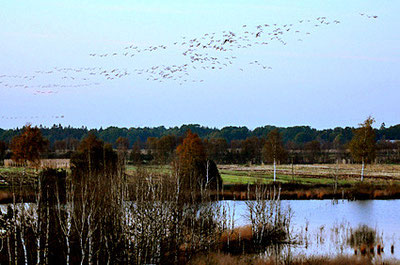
<point>196,171</point>
<point>28,145</point>
<point>190,152</point>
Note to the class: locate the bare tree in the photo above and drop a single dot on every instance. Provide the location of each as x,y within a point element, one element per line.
<point>269,222</point>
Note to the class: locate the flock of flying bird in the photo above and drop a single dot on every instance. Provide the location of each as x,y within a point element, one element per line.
<point>216,51</point>
<point>31,117</point>
<point>208,52</point>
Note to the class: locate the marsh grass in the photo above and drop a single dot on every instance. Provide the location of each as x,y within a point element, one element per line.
<point>228,259</point>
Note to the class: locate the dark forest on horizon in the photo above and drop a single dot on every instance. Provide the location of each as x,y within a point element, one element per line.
<point>228,145</point>
<point>296,134</point>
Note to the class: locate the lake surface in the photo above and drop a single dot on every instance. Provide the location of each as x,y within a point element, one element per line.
<point>324,226</point>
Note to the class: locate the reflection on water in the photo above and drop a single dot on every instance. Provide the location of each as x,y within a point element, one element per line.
<point>325,227</point>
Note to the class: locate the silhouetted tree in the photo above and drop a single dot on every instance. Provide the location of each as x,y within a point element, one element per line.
<point>312,150</point>
<point>151,145</point>
<point>165,147</point>
<point>122,144</point>
<point>251,149</point>
<point>3,148</point>
<point>135,153</point>
<point>60,145</point>
<point>92,157</point>
<point>217,149</point>
<point>72,144</point>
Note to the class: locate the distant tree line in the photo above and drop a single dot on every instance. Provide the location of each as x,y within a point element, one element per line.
<point>229,145</point>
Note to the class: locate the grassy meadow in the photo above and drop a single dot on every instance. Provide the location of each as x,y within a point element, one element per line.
<point>316,174</point>
<point>318,181</point>
<point>324,174</point>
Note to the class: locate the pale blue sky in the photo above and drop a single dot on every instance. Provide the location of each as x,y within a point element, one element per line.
<point>336,76</point>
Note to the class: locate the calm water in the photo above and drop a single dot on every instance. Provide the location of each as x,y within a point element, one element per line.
<point>323,226</point>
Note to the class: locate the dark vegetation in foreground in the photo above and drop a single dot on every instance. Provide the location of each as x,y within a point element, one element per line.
<point>93,215</point>
<point>77,220</point>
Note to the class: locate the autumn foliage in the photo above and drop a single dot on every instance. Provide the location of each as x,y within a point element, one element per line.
<point>363,144</point>
<point>28,145</point>
<point>192,164</point>
<point>190,152</point>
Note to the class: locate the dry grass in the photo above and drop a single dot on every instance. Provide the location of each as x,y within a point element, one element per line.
<point>239,233</point>
<point>300,191</point>
<point>236,241</point>
<point>384,171</point>
<point>5,195</point>
<point>226,259</point>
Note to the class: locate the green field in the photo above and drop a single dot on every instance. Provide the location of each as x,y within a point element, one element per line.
<point>235,174</point>
<point>251,177</point>
<point>240,177</point>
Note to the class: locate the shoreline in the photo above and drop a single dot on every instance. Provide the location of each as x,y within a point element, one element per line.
<point>240,192</point>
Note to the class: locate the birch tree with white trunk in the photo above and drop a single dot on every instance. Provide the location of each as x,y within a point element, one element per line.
<point>273,150</point>
<point>363,144</point>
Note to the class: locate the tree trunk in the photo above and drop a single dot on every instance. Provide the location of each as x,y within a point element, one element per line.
<point>292,171</point>
<point>46,253</point>
<point>39,223</point>
<point>274,169</point>
<point>9,250</point>
<point>22,224</point>
<point>336,175</point>
<point>362,170</point>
